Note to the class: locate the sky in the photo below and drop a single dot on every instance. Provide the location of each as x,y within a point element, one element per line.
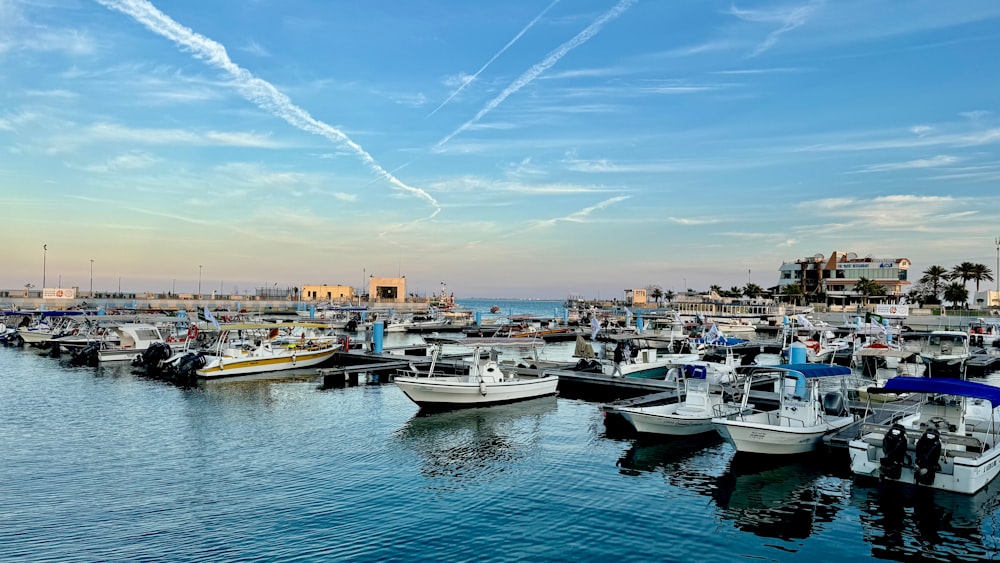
<point>526,148</point>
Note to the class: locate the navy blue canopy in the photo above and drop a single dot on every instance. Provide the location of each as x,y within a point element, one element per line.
<point>943,386</point>
<point>814,370</point>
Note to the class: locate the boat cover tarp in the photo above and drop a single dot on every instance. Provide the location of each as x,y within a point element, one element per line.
<point>812,370</point>
<point>944,386</point>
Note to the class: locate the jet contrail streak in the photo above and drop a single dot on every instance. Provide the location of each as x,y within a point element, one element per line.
<point>546,64</point>
<point>489,62</point>
<point>254,89</point>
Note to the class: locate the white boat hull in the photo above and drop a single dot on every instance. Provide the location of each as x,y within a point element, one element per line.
<point>666,420</point>
<point>762,433</point>
<point>957,474</point>
<point>226,366</point>
<point>457,391</point>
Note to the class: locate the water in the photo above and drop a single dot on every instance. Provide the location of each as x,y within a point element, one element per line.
<point>104,465</point>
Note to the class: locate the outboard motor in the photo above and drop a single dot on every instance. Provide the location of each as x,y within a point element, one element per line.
<point>86,356</point>
<point>833,404</point>
<point>351,326</point>
<point>151,357</point>
<point>927,452</point>
<point>894,448</point>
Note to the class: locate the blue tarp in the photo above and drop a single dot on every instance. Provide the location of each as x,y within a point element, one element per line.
<point>815,370</point>
<point>943,386</point>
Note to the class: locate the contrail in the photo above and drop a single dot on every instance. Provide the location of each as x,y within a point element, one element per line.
<point>254,89</point>
<point>489,62</point>
<point>547,63</point>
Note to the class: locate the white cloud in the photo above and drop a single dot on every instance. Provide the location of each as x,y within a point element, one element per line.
<point>255,48</point>
<point>933,162</point>
<point>129,161</point>
<point>787,18</point>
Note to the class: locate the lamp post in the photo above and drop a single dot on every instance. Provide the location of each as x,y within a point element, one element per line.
<point>997,271</point>
<point>45,251</point>
<point>91,277</point>
<point>199,280</point>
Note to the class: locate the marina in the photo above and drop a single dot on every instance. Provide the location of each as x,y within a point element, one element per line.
<point>108,463</point>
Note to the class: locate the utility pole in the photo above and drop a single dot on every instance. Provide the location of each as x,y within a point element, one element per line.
<point>45,251</point>
<point>199,281</point>
<point>91,277</point>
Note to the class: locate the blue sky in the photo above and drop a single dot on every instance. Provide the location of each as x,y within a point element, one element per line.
<point>509,149</point>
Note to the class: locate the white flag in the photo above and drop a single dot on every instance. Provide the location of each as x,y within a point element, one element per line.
<point>210,318</point>
<point>805,322</point>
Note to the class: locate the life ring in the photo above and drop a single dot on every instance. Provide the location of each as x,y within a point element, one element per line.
<point>192,333</point>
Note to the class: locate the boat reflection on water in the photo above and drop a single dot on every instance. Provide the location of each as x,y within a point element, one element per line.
<point>682,460</point>
<point>473,444</point>
<point>780,498</point>
<point>905,523</point>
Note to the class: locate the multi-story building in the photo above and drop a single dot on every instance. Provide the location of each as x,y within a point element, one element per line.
<point>835,276</point>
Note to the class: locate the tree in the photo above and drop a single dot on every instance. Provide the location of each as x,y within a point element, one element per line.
<point>962,272</point>
<point>793,290</point>
<point>752,290</point>
<point>868,288</point>
<point>922,292</point>
<point>956,293</point>
<point>933,276</point>
<point>669,295</point>
<point>715,289</point>
<point>734,291</point>
<point>656,292</point>
<point>980,273</point>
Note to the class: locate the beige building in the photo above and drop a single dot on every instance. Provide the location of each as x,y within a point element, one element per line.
<point>635,297</point>
<point>327,293</point>
<point>387,290</point>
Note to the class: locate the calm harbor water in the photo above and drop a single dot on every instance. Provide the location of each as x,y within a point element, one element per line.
<point>100,464</point>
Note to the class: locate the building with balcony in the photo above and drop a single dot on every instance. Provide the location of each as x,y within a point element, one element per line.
<point>835,276</point>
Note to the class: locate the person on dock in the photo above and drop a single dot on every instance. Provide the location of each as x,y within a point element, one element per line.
<point>619,357</point>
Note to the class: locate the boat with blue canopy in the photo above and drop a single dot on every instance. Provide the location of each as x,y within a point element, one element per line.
<point>946,441</point>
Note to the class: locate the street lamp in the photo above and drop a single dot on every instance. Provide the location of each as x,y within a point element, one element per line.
<point>91,277</point>
<point>45,251</point>
<point>199,280</point>
<point>997,272</point>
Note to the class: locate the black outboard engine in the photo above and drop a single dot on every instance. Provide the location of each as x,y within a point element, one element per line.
<point>927,452</point>
<point>833,404</point>
<point>151,357</point>
<point>894,447</point>
<point>86,356</point>
<point>182,372</point>
<point>351,326</point>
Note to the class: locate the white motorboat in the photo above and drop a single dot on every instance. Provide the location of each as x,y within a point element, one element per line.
<point>260,348</point>
<point>487,382</point>
<point>944,351</point>
<point>811,405</point>
<point>943,442</point>
<point>703,400</point>
<point>132,340</point>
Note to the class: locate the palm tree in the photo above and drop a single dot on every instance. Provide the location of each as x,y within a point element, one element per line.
<point>669,295</point>
<point>656,292</point>
<point>793,290</point>
<point>980,273</point>
<point>716,289</point>
<point>868,288</point>
<point>956,293</point>
<point>962,272</point>
<point>934,275</point>
<point>734,291</point>
<point>753,290</point>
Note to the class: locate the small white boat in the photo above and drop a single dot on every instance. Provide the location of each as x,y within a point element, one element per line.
<point>944,351</point>
<point>132,340</point>
<point>486,383</point>
<point>944,443</point>
<point>237,352</point>
<point>703,400</point>
<point>811,405</point>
